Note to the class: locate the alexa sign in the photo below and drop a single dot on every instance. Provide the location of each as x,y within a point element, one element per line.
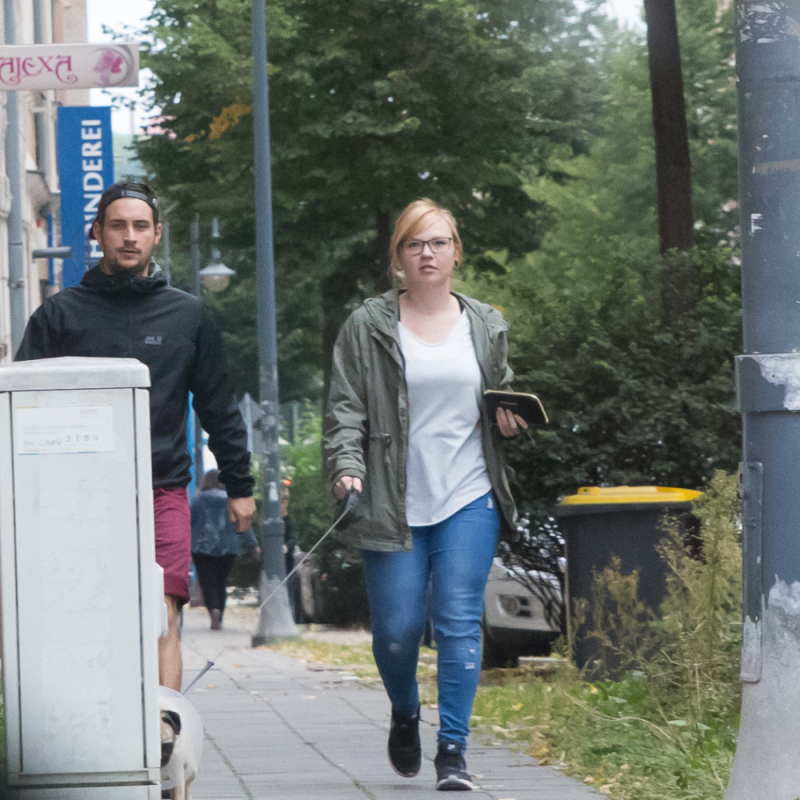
<point>68,66</point>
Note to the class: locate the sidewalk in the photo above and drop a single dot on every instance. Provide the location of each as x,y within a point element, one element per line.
<point>275,728</point>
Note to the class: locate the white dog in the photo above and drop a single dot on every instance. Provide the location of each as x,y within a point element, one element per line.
<point>181,743</point>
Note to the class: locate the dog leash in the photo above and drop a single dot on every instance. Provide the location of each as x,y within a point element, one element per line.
<point>345,506</point>
<point>202,672</point>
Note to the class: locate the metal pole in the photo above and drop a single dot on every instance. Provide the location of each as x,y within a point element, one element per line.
<point>40,119</point>
<point>167,252</point>
<point>768,389</point>
<point>16,246</point>
<point>276,616</point>
<point>194,236</point>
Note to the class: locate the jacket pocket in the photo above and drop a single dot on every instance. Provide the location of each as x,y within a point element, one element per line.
<point>379,486</point>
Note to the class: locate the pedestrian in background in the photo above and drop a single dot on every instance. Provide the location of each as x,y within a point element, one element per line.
<point>406,426</point>
<point>215,544</point>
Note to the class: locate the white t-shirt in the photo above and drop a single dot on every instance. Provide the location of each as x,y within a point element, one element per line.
<point>445,467</point>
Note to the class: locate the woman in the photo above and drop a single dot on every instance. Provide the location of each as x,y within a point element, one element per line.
<point>406,426</point>
<point>215,544</point>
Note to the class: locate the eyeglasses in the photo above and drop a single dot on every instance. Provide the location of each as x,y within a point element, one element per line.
<point>437,245</point>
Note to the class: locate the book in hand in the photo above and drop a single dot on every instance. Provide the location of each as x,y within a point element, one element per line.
<point>526,406</point>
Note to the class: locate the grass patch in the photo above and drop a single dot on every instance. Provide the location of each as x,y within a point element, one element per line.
<point>320,652</point>
<point>609,735</point>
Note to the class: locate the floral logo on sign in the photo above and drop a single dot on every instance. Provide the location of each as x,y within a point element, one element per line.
<point>112,67</point>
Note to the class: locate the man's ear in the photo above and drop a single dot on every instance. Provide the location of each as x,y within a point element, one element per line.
<point>158,233</point>
<point>97,230</point>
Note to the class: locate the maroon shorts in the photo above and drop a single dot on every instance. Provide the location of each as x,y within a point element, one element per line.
<point>173,539</point>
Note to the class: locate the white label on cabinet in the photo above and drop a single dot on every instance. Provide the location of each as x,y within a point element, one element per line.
<point>70,429</point>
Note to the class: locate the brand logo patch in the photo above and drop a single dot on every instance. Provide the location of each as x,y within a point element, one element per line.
<point>153,340</point>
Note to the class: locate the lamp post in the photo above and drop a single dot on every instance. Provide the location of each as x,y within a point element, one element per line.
<point>276,616</point>
<point>768,377</point>
<point>14,172</point>
<point>197,446</point>
<point>215,278</point>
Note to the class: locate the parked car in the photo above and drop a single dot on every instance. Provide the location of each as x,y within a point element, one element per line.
<point>515,622</point>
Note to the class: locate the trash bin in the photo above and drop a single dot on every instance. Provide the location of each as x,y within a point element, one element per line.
<point>623,521</point>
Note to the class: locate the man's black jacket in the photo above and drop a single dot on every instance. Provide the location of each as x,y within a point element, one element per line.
<point>119,316</point>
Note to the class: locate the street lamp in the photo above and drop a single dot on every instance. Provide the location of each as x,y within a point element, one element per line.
<point>216,277</point>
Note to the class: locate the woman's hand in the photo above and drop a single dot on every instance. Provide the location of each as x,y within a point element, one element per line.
<point>510,424</point>
<point>345,484</point>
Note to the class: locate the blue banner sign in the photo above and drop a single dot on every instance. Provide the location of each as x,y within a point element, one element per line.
<point>85,169</point>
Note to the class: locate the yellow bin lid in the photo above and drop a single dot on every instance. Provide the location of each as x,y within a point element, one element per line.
<point>596,495</point>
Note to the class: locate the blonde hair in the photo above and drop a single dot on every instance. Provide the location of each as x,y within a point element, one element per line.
<point>414,218</point>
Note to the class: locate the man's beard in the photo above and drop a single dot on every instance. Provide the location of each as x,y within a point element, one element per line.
<point>142,270</point>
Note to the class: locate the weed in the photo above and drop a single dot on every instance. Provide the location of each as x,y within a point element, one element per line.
<point>620,636</point>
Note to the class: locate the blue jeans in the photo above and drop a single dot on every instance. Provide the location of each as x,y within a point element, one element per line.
<point>456,555</point>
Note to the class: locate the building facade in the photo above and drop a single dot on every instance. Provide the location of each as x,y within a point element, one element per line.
<point>34,139</point>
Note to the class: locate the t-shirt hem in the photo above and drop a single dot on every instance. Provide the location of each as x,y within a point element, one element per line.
<point>453,506</point>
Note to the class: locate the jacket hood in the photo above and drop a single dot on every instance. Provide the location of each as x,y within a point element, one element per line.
<point>123,282</point>
<point>382,312</point>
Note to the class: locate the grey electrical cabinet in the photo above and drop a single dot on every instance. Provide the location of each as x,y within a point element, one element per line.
<point>82,596</point>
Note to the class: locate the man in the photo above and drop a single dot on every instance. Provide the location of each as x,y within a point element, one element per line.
<point>124,308</point>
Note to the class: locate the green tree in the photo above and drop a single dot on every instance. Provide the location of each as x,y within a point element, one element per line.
<point>373,103</point>
<point>634,398</point>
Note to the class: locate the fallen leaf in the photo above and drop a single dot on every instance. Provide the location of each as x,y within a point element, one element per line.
<point>516,707</point>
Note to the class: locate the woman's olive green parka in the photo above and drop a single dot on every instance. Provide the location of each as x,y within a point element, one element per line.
<point>365,432</point>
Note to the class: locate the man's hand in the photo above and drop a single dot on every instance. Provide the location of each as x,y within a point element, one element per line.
<point>344,484</point>
<point>240,512</point>
<point>510,423</point>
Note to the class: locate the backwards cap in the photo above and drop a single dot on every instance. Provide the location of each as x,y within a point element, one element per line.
<point>138,191</point>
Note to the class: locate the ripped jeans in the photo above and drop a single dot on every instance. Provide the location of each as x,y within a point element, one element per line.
<point>456,555</point>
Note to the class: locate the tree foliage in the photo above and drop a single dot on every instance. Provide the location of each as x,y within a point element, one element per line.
<point>634,396</point>
<point>530,120</point>
<point>373,104</point>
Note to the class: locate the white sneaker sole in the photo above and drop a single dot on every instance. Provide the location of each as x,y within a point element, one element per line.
<point>453,783</point>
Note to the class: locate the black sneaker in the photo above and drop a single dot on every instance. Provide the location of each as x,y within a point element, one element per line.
<point>451,769</point>
<point>405,751</point>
